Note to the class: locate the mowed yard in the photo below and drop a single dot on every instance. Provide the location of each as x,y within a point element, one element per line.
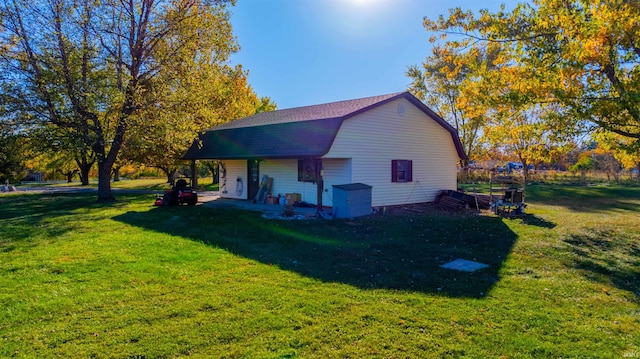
<point>79,279</point>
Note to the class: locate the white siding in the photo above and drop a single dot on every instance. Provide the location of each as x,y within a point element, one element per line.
<point>374,138</point>
<point>336,172</point>
<point>285,178</point>
<point>284,174</point>
<point>230,187</point>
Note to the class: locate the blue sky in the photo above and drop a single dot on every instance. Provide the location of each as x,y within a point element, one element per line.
<point>306,52</point>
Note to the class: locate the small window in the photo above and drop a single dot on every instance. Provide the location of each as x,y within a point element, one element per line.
<point>306,170</point>
<point>401,170</point>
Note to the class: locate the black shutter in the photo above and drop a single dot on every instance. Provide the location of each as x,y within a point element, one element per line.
<point>300,171</point>
<point>394,170</point>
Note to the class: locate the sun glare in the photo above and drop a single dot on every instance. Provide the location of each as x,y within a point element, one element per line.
<point>354,20</point>
<point>364,2</point>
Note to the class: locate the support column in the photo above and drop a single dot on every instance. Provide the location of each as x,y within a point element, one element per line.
<point>194,175</point>
<point>319,183</point>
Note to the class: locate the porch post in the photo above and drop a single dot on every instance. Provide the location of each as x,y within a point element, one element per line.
<point>194,174</point>
<point>319,184</point>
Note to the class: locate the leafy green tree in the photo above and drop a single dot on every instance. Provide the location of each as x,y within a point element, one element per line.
<point>584,164</point>
<point>13,143</point>
<point>91,65</point>
<point>64,167</point>
<point>61,149</point>
<point>164,131</point>
<point>12,160</point>
<point>213,167</point>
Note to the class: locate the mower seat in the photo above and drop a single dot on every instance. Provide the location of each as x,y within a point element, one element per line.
<point>181,183</point>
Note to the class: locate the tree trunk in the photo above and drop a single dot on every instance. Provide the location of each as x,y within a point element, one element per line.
<point>525,169</point>
<point>116,174</point>
<point>85,167</point>
<point>105,163</point>
<point>104,182</point>
<point>464,175</point>
<point>169,172</point>
<point>194,174</point>
<point>70,175</point>
<point>84,174</point>
<point>215,175</point>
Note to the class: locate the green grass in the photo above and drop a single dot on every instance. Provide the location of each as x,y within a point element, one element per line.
<point>83,279</point>
<point>137,184</point>
<point>159,184</point>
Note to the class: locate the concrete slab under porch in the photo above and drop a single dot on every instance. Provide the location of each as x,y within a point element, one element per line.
<point>212,199</point>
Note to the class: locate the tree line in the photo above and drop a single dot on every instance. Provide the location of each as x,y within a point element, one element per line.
<point>102,83</point>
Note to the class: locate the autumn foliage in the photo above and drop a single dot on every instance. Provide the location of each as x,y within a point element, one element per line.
<point>532,78</point>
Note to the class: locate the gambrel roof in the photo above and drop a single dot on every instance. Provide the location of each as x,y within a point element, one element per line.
<point>298,132</point>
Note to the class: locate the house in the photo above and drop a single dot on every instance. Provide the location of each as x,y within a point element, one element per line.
<point>393,143</point>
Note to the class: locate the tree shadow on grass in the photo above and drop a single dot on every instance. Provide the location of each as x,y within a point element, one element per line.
<point>606,257</point>
<point>533,220</point>
<point>385,252</point>
<point>25,217</point>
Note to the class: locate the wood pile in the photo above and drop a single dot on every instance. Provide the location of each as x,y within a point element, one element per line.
<point>449,202</point>
<point>456,200</point>
<point>483,200</point>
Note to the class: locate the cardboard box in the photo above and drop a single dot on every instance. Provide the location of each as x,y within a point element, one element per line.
<point>293,197</point>
<point>272,200</point>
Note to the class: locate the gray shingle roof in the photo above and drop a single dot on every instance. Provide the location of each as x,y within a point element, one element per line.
<point>307,113</point>
<point>294,133</point>
<point>283,140</point>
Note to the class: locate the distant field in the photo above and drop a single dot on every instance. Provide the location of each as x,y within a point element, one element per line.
<point>624,178</point>
<point>80,279</point>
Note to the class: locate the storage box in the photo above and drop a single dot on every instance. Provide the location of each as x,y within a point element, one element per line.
<point>293,198</point>
<point>351,200</point>
<point>272,200</point>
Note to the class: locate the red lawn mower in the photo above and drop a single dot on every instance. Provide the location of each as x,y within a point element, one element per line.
<point>179,193</point>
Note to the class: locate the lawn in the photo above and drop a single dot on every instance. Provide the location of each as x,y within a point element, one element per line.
<point>81,279</point>
<point>157,184</point>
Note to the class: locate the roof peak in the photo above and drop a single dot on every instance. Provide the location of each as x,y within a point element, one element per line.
<point>384,96</point>
<point>322,111</point>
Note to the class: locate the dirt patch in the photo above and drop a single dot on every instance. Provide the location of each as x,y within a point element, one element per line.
<point>417,208</point>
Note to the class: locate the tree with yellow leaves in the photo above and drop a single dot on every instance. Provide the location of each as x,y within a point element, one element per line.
<point>510,101</point>
<point>628,156</point>
<point>447,82</point>
<point>585,52</point>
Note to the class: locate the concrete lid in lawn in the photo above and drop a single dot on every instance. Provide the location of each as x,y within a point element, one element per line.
<point>464,265</point>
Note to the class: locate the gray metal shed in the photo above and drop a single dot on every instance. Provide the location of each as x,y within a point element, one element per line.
<point>351,200</point>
